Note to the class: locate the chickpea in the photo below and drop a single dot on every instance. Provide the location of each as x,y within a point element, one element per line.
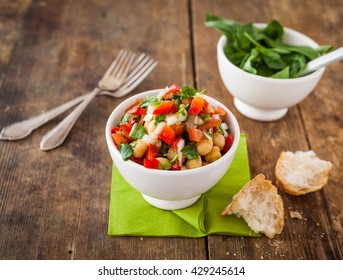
<point>164,163</point>
<point>204,146</point>
<point>146,125</point>
<point>139,149</point>
<point>213,155</point>
<point>194,163</point>
<point>218,140</point>
<point>151,127</point>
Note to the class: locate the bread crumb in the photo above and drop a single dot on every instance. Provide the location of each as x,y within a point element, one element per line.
<point>295,215</point>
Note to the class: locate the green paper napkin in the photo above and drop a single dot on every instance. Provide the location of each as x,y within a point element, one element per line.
<point>131,215</point>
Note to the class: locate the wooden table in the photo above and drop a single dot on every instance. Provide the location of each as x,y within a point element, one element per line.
<point>54,205</point>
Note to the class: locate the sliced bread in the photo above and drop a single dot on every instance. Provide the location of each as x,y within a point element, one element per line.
<point>259,204</point>
<point>301,172</point>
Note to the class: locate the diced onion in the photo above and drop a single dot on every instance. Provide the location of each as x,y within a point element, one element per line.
<point>148,117</point>
<point>216,116</point>
<point>208,136</point>
<point>148,139</point>
<point>180,144</point>
<point>171,119</point>
<point>150,109</point>
<point>225,126</point>
<point>198,120</point>
<point>162,93</point>
<point>159,127</point>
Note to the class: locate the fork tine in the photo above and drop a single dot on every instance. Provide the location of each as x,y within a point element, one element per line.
<point>124,66</point>
<point>140,71</point>
<point>114,62</point>
<point>130,85</point>
<point>135,64</point>
<point>138,66</point>
<point>116,71</point>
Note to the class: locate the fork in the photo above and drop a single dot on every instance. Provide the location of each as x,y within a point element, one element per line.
<point>141,68</point>
<point>111,80</point>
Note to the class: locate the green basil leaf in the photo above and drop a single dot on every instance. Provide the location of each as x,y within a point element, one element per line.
<point>274,30</point>
<point>283,74</point>
<point>268,59</point>
<point>137,131</point>
<point>160,118</point>
<point>190,151</point>
<point>125,151</point>
<point>147,101</point>
<point>248,63</point>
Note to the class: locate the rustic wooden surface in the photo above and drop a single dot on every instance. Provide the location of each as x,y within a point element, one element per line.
<point>54,205</point>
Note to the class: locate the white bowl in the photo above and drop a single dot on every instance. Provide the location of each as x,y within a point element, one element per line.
<point>262,98</point>
<point>168,189</point>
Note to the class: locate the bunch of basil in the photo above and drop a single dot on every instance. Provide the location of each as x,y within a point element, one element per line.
<point>262,52</point>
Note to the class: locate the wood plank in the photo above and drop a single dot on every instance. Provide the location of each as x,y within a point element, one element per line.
<point>54,205</point>
<point>322,115</point>
<point>265,143</point>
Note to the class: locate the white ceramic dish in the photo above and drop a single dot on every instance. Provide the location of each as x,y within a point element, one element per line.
<point>167,189</point>
<point>261,98</point>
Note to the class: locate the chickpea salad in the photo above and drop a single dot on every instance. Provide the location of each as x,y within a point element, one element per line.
<point>175,130</point>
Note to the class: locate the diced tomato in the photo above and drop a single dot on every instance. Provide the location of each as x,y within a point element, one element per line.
<point>195,134</point>
<point>137,160</point>
<point>118,138</point>
<point>197,105</point>
<point>152,152</point>
<point>137,110</point>
<point>175,166</point>
<point>178,129</point>
<point>172,89</point>
<point>126,128</point>
<point>132,120</point>
<point>174,145</point>
<point>165,107</point>
<point>114,129</point>
<point>138,100</point>
<point>228,143</point>
<point>187,101</point>
<point>210,123</point>
<point>153,164</point>
<point>167,135</point>
<point>220,111</point>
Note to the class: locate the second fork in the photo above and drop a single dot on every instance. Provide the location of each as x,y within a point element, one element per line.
<point>112,79</point>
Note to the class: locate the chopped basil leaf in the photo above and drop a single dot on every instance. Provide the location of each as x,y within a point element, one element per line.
<point>125,119</point>
<point>188,91</point>
<point>146,102</point>
<point>137,131</point>
<point>160,118</point>
<point>125,151</point>
<point>190,151</point>
<point>205,117</point>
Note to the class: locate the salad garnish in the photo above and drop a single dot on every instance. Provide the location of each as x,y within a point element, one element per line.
<point>175,130</point>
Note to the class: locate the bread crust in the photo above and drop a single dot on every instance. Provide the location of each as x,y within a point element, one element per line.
<point>259,186</point>
<point>289,188</point>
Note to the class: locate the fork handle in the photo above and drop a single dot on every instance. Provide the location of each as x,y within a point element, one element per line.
<point>59,133</point>
<point>20,130</point>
